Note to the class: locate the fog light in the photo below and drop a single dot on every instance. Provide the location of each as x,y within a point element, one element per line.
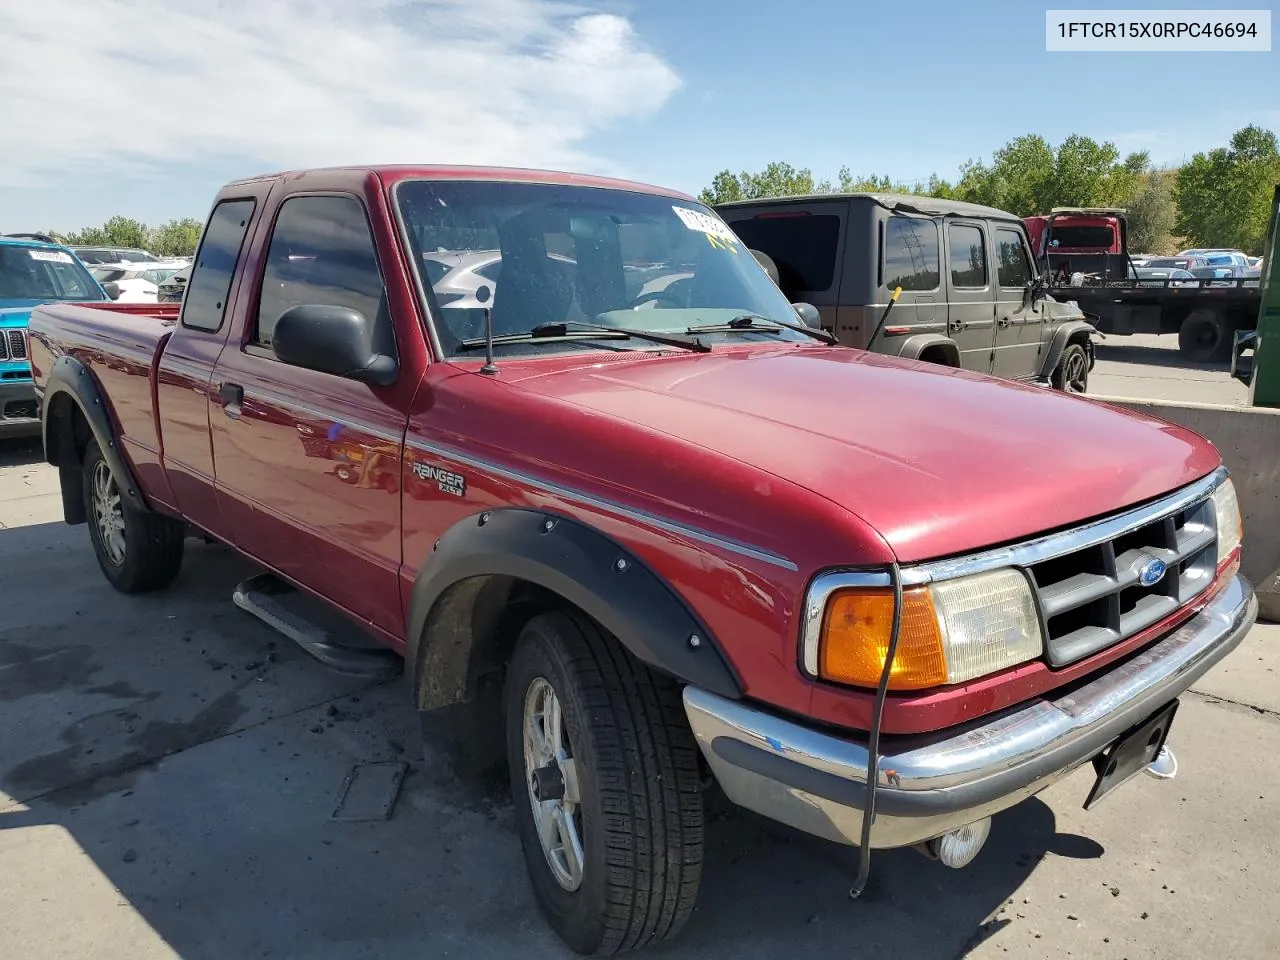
<point>958,848</point>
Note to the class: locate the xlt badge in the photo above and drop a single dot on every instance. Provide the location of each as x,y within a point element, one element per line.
<point>447,481</point>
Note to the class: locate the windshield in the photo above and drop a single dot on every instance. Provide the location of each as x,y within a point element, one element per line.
<point>581,254</point>
<point>41,273</point>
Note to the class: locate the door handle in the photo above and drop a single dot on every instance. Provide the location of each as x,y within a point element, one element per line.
<point>232,396</point>
<point>955,326</point>
<point>1004,321</point>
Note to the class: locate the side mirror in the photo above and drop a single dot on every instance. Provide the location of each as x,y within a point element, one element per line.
<point>1242,366</point>
<point>808,315</point>
<point>335,340</point>
<point>112,289</point>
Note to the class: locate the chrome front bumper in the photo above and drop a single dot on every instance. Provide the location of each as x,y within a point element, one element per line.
<point>932,783</point>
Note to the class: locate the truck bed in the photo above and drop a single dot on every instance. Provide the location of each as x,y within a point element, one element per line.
<point>119,343</point>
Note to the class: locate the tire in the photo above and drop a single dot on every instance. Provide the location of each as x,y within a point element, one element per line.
<point>1071,375</point>
<point>639,816</point>
<point>1204,337</point>
<point>137,550</point>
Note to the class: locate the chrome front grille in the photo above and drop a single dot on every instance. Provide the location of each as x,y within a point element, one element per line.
<point>1087,579</point>
<point>1093,597</point>
<point>13,345</point>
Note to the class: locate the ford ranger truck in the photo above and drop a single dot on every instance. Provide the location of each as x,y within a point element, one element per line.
<point>608,464</point>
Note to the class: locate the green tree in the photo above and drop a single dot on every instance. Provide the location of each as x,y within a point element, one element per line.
<point>116,232</point>
<point>775,180</point>
<point>784,180</point>
<point>1028,175</point>
<point>1224,196</point>
<point>1152,213</point>
<point>177,238</point>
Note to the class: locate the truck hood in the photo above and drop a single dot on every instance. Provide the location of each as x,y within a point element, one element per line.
<point>938,461</point>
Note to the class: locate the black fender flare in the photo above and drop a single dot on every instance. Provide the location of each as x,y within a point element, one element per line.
<point>918,343</point>
<point>1072,329</point>
<point>567,558</point>
<point>68,376</point>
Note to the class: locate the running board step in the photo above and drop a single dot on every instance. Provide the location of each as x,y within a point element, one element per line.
<point>264,596</point>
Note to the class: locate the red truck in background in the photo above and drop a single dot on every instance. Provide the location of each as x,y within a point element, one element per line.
<point>876,599</point>
<point>1080,239</point>
<point>1083,252</point>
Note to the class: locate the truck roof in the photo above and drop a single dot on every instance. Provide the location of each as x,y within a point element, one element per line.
<point>393,173</point>
<point>905,202</point>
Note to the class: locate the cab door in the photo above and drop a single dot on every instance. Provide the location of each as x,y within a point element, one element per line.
<point>308,464</point>
<point>971,308</point>
<point>1020,322</point>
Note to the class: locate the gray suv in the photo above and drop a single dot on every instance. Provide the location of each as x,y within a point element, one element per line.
<point>970,295</point>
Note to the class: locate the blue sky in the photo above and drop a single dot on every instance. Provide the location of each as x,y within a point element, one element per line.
<point>145,107</point>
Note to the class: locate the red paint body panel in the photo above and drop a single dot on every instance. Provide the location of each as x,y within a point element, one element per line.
<point>737,475</point>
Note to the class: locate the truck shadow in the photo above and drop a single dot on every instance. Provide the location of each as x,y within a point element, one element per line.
<point>21,452</point>
<point>1152,355</point>
<point>190,762</point>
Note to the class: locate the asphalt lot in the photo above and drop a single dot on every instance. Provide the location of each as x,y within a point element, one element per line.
<point>169,770</point>
<point>1148,367</point>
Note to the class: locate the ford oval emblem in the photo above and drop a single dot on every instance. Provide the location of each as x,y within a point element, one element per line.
<point>1151,572</point>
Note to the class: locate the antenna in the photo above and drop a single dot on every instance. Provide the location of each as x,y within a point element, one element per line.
<point>489,368</point>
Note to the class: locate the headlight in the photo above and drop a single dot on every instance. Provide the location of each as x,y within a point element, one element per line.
<point>952,631</point>
<point>1226,511</point>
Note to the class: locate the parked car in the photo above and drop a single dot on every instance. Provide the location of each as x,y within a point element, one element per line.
<point>104,255</point>
<point>659,540</point>
<point>1167,276</point>
<point>135,282</point>
<point>984,312</point>
<point>32,272</point>
<point>1190,262</point>
<point>172,288</point>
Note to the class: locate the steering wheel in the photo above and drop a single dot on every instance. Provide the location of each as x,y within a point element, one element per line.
<point>656,295</point>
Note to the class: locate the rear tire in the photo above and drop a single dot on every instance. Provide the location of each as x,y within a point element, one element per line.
<point>137,550</point>
<point>628,765</point>
<point>1071,375</point>
<point>1204,337</point>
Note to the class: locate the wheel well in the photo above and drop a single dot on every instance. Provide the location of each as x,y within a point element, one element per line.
<point>941,354</point>
<point>470,634</point>
<point>67,432</point>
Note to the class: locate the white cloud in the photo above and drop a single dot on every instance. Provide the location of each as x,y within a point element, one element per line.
<point>131,85</point>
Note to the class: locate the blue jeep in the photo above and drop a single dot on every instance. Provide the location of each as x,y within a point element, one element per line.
<point>32,272</point>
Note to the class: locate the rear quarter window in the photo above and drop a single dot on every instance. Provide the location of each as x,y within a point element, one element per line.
<point>205,302</point>
<point>910,254</point>
<point>804,247</point>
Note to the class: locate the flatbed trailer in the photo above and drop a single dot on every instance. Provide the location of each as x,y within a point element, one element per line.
<point>1205,314</point>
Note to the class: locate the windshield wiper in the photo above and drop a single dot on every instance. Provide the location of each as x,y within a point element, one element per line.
<point>747,321</point>
<point>580,330</point>
<point>547,333</point>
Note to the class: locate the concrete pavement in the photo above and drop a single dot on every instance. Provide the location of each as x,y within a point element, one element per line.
<point>169,768</point>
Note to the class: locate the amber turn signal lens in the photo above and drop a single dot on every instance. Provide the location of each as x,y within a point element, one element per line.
<point>855,640</point>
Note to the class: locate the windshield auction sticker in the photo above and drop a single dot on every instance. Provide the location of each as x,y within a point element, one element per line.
<point>52,256</point>
<point>704,223</point>
<point>1156,31</point>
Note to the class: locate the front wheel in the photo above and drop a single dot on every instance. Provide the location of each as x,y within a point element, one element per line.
<point>1072,373</point>
<point>136,549</point>
<point>606,785</point>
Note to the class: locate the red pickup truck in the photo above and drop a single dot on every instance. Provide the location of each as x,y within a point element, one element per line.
<point>565,431</point>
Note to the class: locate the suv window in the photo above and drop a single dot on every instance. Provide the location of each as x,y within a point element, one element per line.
<point>911,254</point>
<point>206,299</point>
<point>1013,269</point>
<point>968,255</point>
<point>321,252</point>
<point>804,246</point>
